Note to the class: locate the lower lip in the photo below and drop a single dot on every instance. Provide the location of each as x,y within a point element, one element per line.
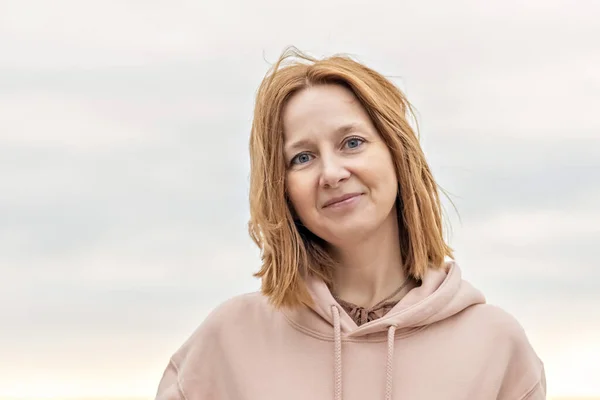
<point>344,203</point>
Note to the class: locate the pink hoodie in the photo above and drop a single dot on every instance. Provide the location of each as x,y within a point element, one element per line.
<point>441,341</point>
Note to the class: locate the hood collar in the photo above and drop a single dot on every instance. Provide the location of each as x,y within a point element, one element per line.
<point>442,294</point>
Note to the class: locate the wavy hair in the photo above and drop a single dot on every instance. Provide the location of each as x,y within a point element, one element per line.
<point>289,252</point>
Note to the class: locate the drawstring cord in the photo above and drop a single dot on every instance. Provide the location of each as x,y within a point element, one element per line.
<point>337,340</point>
<point>389,376</point>
<point>337,354</point>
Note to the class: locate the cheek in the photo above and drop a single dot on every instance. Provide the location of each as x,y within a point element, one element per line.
<point>391,180</point>
<point>382,175</point>
<point>378,170</point>
<point>385,163</point>
<point>299,192</point>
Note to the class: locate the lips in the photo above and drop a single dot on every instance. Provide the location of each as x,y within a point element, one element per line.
<point>340,199</point>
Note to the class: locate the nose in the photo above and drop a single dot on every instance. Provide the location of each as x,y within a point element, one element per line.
<point>333,172</point>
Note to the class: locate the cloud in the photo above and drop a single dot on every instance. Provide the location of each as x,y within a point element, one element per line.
<point>54,120</point>
<point>527,228</point>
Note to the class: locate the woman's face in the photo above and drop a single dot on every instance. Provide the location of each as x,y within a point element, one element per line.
<point>340,176</point>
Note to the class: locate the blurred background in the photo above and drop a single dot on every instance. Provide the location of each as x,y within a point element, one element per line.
<point>124,169</point>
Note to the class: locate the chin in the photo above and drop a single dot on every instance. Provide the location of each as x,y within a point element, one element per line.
<point>348,234</point>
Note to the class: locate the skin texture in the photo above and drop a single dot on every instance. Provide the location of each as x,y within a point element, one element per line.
<point>332,149</point>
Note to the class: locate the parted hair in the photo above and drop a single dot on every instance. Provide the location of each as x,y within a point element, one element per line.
<point>289,252</point>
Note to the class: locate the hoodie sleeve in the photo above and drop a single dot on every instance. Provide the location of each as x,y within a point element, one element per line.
<point>169,387</point>
<point>538,392</point>
<point>524,377</point>
<point>194,370</point>
<point>190,375</point>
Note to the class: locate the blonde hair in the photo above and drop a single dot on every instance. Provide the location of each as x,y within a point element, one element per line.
<point>289,252</point>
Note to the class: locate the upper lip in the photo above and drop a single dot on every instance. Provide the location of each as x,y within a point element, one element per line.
<point>340,198</point>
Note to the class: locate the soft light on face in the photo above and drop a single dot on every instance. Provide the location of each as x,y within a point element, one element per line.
<point>334,154</point>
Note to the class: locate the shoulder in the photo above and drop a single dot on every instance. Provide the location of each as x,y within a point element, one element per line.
<point>496,321</point>
<point>195,365</point>
<point>486,323</point>
<point>237,307</point>
<point>502,325</point>
<point>231,315</point>
<point>522,370</point>
<point>236,310</point>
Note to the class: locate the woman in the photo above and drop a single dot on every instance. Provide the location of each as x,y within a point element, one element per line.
<point>360,297</point>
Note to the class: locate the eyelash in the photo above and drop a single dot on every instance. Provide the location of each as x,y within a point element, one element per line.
<point>361,140</point>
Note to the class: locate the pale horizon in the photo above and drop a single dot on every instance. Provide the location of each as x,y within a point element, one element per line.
<point>124,169</point>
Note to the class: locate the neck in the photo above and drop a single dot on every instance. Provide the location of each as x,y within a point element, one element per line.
<point>370,270</point>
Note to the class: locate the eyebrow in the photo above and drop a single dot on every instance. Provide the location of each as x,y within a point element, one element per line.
<point>339,131</point>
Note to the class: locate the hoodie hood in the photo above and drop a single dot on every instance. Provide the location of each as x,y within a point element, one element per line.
<point>442,294</point>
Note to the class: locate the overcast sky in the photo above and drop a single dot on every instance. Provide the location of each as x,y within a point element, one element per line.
<point>124,168</point>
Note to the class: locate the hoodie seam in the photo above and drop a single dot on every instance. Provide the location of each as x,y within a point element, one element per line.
<point>179,385</point>
<point>327,338</point>
<point>535,386</point>
<point>531,391</point>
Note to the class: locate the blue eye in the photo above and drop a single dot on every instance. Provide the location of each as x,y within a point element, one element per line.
<point>301,158</point>
<point>354,142</point>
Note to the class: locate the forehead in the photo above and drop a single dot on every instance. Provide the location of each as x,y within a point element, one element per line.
<point>322,110</point>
